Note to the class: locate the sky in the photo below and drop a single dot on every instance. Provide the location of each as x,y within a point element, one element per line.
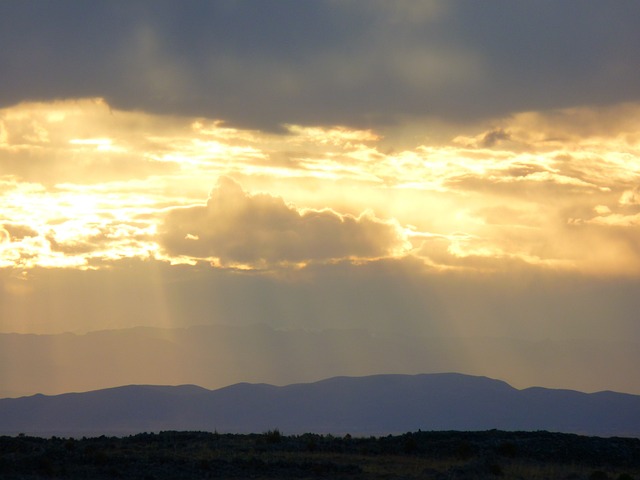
<point>433,169</point>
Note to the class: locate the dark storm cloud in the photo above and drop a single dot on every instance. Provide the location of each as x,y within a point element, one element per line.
<point>262,64</point>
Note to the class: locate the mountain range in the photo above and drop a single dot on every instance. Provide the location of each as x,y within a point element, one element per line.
<point>215,356</point>
<point>369,405</point>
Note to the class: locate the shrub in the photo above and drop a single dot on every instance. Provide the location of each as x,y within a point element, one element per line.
<point>598,475</point>
<point>273,436</point>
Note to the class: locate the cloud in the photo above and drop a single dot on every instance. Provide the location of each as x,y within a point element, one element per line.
<point>80,141</point>
<point>493,137</point>
<point>259,229</point>
<point>630,197</point>
<point>358,63</point>
<point>19,231</point>
<point>95,183</point>
<point>617,219</point>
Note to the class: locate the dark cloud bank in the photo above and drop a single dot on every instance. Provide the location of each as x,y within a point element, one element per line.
<point>262,64</point>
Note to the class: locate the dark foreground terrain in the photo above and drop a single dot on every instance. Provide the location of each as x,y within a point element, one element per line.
<point>271,455</point>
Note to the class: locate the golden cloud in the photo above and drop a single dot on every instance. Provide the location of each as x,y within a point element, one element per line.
<point>238,228</point>
<point>82,183</point>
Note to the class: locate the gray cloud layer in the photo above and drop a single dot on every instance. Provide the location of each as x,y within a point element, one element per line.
<point>261,64</point>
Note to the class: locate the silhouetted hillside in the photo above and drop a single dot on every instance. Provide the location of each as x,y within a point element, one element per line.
<point>374,405</point>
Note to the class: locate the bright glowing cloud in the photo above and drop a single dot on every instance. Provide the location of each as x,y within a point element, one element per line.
<point>261,230</point>
<point>83,183</point>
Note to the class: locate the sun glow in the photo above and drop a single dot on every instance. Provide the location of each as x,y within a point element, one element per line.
<point>100,144</point>
<point>84,184</point>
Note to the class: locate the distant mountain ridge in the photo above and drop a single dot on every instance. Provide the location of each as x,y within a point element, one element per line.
<point>60,363</point>
<point>370,405</point>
